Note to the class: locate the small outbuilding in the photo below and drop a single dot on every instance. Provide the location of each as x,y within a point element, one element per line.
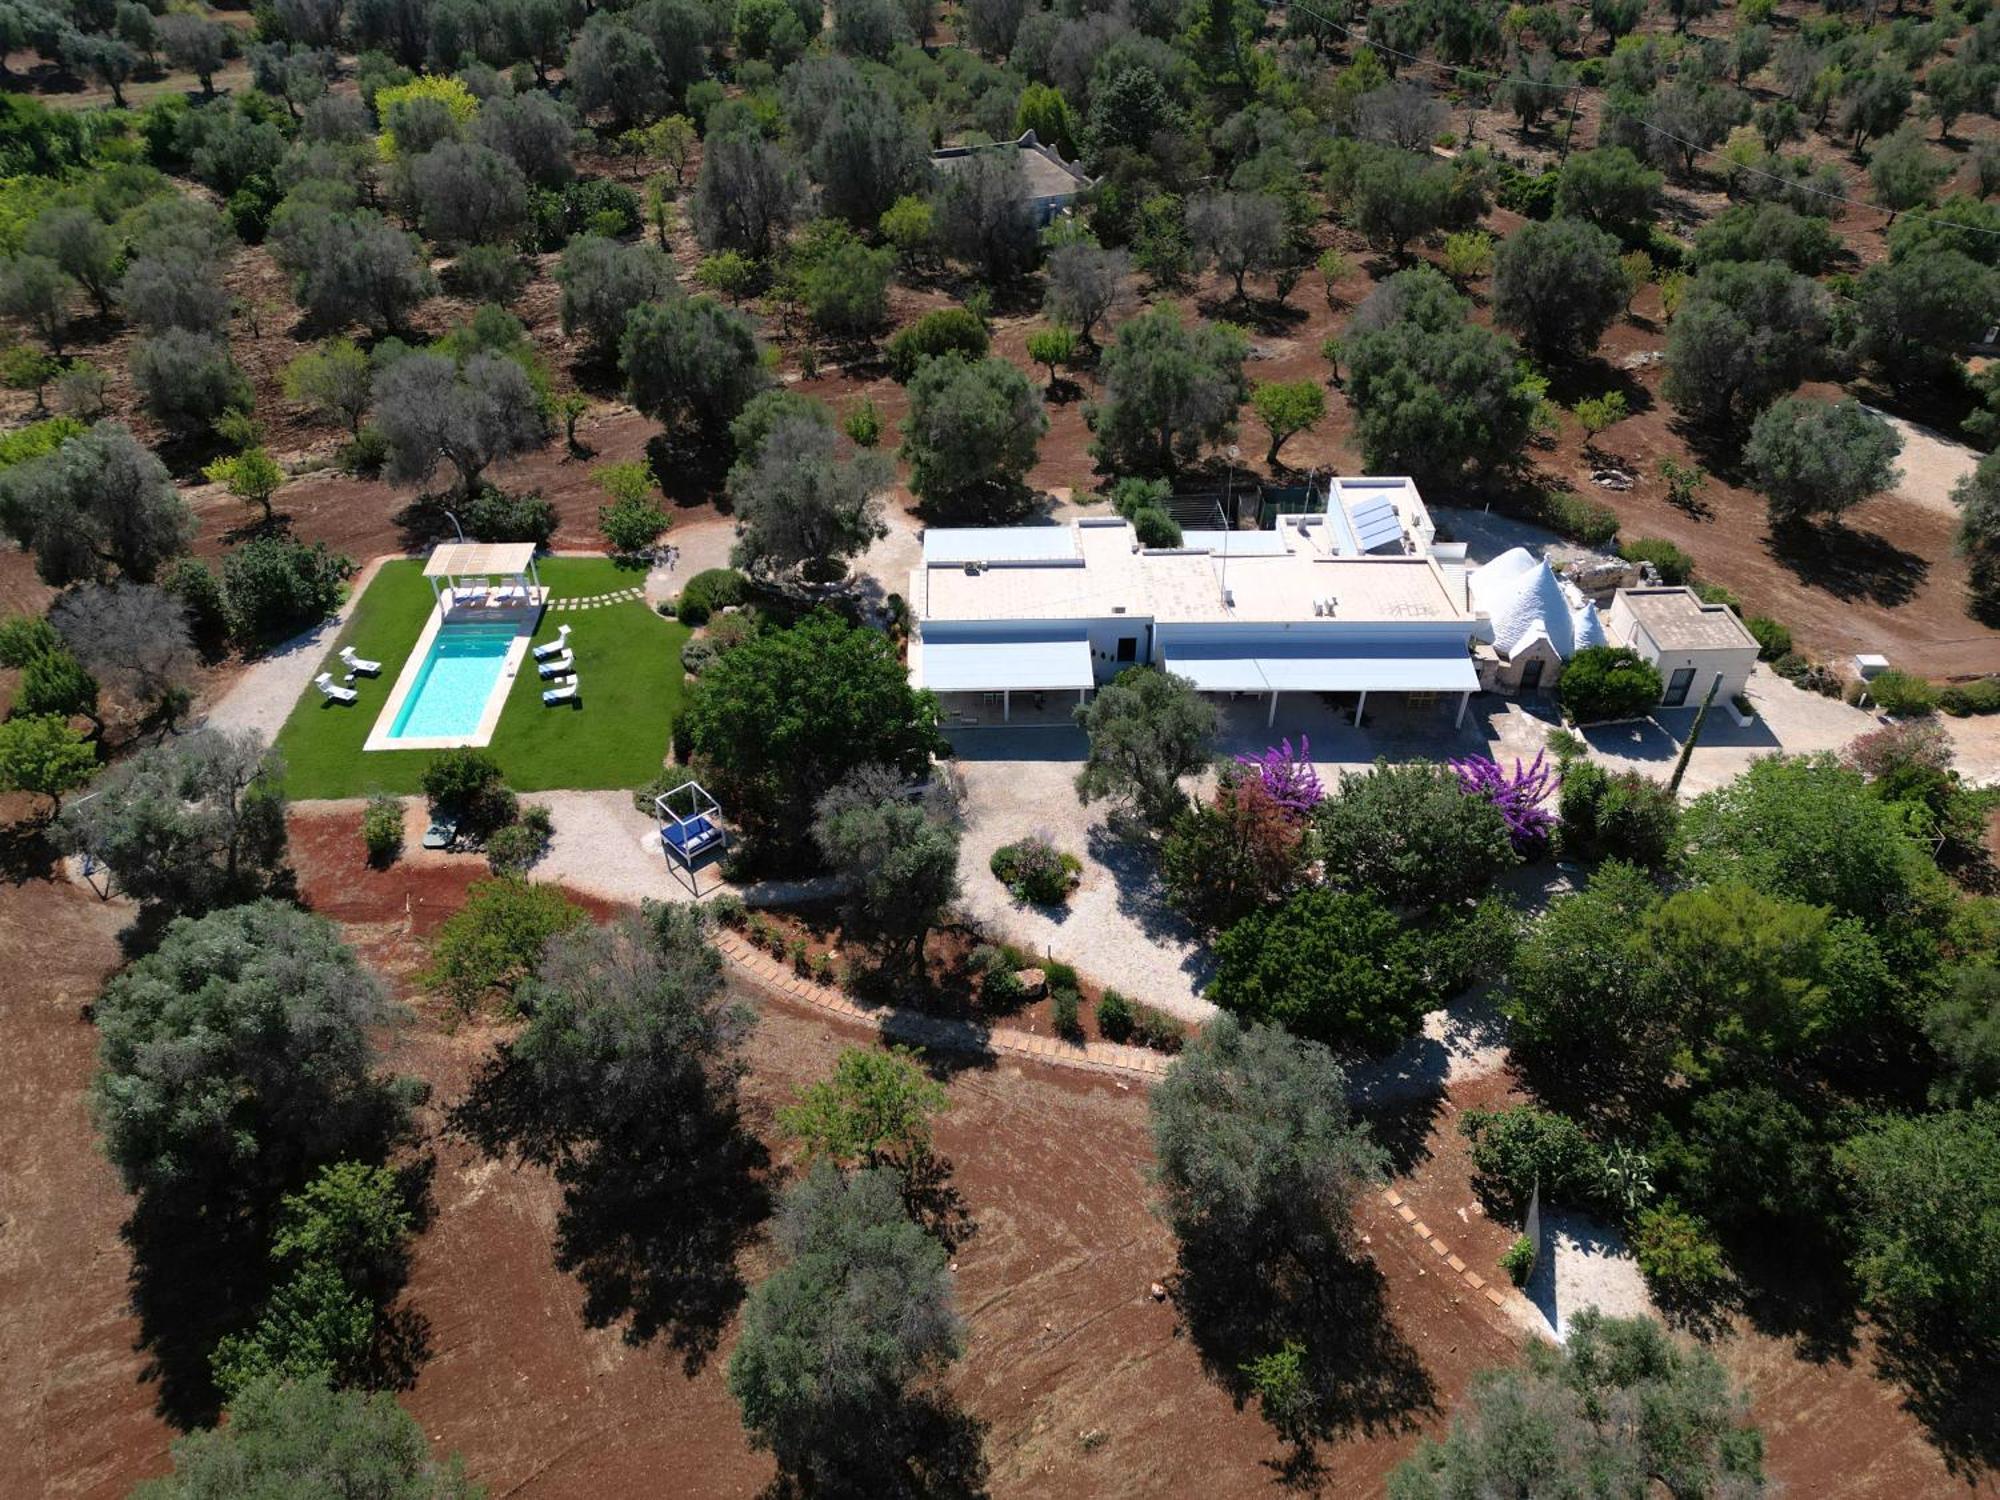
<point>1690,641</point>
<point>1531,620</point>
<point>1049,185</point>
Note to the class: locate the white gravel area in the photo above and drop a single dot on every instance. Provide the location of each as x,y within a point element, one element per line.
<point>1584,1263</point>
<point>606,847</point>
<point>1117,927</point>
<point>1931,463</point>
<point>261,698</point>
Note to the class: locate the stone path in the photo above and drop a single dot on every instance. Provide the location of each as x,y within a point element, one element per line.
<point>775,977</point>
<point>598,601</point>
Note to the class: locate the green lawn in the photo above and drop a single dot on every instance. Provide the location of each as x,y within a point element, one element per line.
<point>628,657</point>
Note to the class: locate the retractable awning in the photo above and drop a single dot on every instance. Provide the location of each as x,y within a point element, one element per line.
<point>1360,668</point>
<point>1016,664</point>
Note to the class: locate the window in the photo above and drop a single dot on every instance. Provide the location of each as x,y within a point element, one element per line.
<point>1128,648</point>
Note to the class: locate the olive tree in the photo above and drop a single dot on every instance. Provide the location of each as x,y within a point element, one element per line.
<point>1818,458</point>
<point>1745,333</point>
<point>533,131</point>
<point>1238,233</point>
<point>614,70</point>
<point>335,380</point>
<point>800,507</point>
<point>1083,283</point>
<point>175,287</point>
<point>865,157</point>
<point>188,380</point>
<point>354,267</point>
<point>1977,497</point>
<point>603,281</point>
<point>131,636</point>
<point>1559,285</point>
<point>194,44</point>
<point>982,214</point>
<point>102,501</point>
<point>690,363</point>
<point>898,857</point>
<point>840,1340</point>
<point>431,410</point>
<point>468,194</point>
<point>746,195</point>
<point>83,247</point>
<point>1147,729</point>
<point>36,290</point>
<point>972,435</point>
<point>1169,389</point>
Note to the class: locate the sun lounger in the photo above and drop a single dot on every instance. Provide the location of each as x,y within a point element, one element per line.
<point>563,692</point>
<point>333,690</point>
<point>558,666</point>
<point>555,647</point>
<point>359,663</point>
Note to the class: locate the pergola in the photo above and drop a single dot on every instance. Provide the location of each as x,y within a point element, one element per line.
<point>456,562</point>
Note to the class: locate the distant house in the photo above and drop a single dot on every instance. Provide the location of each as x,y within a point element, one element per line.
<point>1052,184</point>
<point>1691,642</point>
<point>1343,603</point>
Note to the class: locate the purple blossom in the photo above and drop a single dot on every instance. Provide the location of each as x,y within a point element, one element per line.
<point>1519,794</point>
<point>1290,779</point>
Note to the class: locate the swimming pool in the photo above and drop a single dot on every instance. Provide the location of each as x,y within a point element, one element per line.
<point>458,678</point>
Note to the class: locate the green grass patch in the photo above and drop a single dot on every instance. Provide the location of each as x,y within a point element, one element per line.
<point>628,656</point>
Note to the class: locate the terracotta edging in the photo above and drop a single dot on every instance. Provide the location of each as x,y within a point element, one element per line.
<point>1439,1248</point>
<point>1136,1063</point>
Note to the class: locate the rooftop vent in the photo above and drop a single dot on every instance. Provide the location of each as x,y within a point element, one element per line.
<point>974,569</point>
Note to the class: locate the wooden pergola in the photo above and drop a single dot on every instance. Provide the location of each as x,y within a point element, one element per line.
<point>451,564</point>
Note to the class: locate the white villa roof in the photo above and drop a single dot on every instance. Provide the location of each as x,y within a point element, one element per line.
<point>465,559</point>
<point>1524,599</point>
<point>1335,665</point>
<point>964,544</point>
<point>1022,661</point>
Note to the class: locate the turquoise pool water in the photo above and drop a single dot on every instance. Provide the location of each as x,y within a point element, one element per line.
<point>449,697</point>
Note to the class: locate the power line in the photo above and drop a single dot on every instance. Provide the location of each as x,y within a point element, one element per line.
<point>1577,89</point>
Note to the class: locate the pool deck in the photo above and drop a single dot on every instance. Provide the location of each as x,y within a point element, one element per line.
<point>525,623</point>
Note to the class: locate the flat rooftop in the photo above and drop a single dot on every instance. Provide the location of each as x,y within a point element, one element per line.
<point>1107,574</point>
<point>1678,620</point>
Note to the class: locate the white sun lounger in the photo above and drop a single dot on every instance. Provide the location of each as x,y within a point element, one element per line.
<point>333,690</point>
<point>359,663</point>
<point>555,647</point>
<point>558,666</point>
<point>563,692</point>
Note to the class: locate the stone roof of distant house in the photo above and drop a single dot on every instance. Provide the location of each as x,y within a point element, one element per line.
<point>1046,173</point>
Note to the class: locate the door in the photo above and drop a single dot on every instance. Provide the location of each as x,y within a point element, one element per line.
<point>1677,687</point>
<point>1531,674</point>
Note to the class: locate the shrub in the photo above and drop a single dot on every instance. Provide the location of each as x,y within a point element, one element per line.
<point>496,939</point>
<point>1513,1149</point>
<point>514,849</point>
<point>1902,694</point>
<point>1518,1260</point>
<point>863,425</point>
<point>1669,561</point>
<point>1035,871</point>
<point>1678,1255</point>
<point>1114,1016</point>
<point>1002,990</point>
<point>363,454</point>
<point>382,829</point>
<point>1064,1013</point>
<point>467,785</point>
<point>495,515</point>
<point>1156,1029</point>
<point>1577,518</point>
<point>1607,682</point>
<point>727,909</point>
<point>708,591</point>
<point>274,587</point>
<point>1978,697</point>
<point>1773,639</point>
<point>947,330</point>
<point>1625,816</point>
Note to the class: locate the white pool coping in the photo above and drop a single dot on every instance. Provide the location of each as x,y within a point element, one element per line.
<point>379,738</point>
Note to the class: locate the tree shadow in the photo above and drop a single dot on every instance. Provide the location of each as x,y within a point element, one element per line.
<point>934,1201</point>
<point>26,852</point>
<point>651,1222</point>
<point>923,1446</point>
<point>1947,1378</point>
<point>1361,1375</point>
<point>195,1278</point>
<point>1850,564</point>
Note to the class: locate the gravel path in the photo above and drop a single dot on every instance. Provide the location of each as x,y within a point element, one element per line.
<point>263,696</point>
<point>1931,463</point>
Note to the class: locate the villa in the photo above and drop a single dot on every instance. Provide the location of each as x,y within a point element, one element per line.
<point>1351,598</point>
<point>1050,184</point>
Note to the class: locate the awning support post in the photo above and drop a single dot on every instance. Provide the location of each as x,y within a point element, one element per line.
<point>1359,704</point>
<point>1463,699</point>
<point>1006,704</point>
<point>1272,717</point>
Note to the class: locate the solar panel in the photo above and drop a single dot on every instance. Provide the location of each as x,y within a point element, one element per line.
<point>1375,522</point>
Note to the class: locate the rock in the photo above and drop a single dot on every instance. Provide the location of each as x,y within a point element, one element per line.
<point>1157,1292</point>
<point>1034,983</point>
<point>1611,479</point>
<point>1641,359</point>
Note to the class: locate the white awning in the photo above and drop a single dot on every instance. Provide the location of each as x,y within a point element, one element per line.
<point>479,559</point>
<point>1361,668</point>
<point>1015,664</point>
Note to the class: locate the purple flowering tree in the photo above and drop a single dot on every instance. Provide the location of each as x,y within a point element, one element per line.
<point>1519,794</point>
<point>1288,777</point>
